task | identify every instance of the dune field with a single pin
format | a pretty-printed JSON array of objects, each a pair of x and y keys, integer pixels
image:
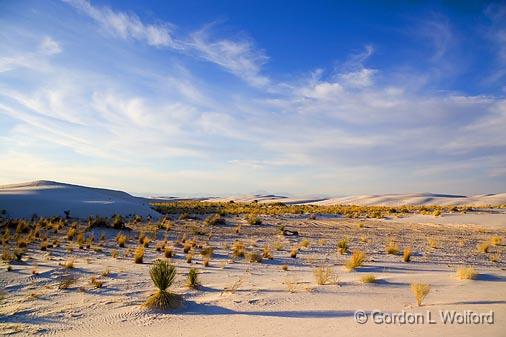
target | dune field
[{"x": 257, "y": 274}]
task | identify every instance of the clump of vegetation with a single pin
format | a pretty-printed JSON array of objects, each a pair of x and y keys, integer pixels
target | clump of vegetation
[
  {"x": 214, "y": 220},
  {"x": 496, "y": 240},
  {"x": 267, "y": 252},
  {"x": 294, "y": 252},
  {"x": 189, "y": 258},
  {"x": 163, "y": 274},
  {"x": 432, "y": 243},
  {"x": 238, "y": 249},
  {"x": 205, "y": 261},
  {"x": 253, "y": 220},
  {"x": 466, "y": 273},
  {"x": 356, "y": 260},
  {"x": 145, "y": 242},
  {"x": 169, "y": 252},
  {"x": 342, "y": 246},
  {"x": 304, "y": 243},
  {"x": 139, "y": 255},
  {"x": 406, "y": 254},
  {"x": 483, "y": 247},
  {"x": 96, "y": 283},
  {"x": 114, "y": 254},
  {"x": 67, "y": 281},
  {"x": 392, "y": 248},
  {"x": 71, "y": 233},
  {"x": 437, "y": 212},
  {"x": 277, "y": 245},
  {"x": 193, "y": 279},
  {"x": 254, "y": 257},
  {"x": 324, "y": 275},
  {"x": 69, "y": 264},
  {"x": 495, "y": 257},
  {"x": 369, "y": 278},
  {"x": 420, "y": 290},
  {"x": 284, "y": 267}
]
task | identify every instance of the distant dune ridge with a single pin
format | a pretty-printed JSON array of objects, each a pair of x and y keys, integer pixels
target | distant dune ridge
[{"x": 49, "y": 198}]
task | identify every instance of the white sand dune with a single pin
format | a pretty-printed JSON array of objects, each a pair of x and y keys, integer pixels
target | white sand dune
[
  {"x": 415, "y": 199},
  {"x": 49, "y": 198}
]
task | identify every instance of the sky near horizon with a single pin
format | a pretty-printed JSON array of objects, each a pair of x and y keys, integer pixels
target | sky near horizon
[{"x": 230, "y": 97}]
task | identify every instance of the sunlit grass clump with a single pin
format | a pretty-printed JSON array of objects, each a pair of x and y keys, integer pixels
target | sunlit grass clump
[
  {"x": 163, "y": 274},
  {"x": 324, "y": 275},
  {"x": 466, "y": 273},
  {"x": 483, "y": 247},
  {"x": 496, "y": 240},
  {"x": 342, "y": 246},
  {"x": 357, "y": 259},
  {"x": 139, "y": 254},
  {"x": 406, "y": 254},
  {"x": 392, "y": 248},
  {"x": 420, "y": 290},
  {"x": 193, "y": 279},
  {"x": 369, "y": 278}
]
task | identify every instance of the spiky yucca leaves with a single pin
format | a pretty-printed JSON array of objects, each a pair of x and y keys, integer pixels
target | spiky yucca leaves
[
  {"x": 193, "y": 279},
  {"x": 420, "y": 291},
  {"x": 163, "y": 274}
]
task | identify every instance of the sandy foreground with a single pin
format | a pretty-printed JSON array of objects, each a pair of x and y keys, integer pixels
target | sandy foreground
[{"x": 238, "y": 298}]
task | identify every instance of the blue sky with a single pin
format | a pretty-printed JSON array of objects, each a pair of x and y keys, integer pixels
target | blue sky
[{"x": 227, "y": 97}]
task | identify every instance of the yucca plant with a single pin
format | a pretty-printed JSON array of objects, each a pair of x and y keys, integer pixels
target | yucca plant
[
  {"x": 163, "y": 274},
  {"x": 193, "y": 279}
]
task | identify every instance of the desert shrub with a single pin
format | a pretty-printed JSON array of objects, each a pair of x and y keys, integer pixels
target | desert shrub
[
  {"x": 466, "y": 273},
  {"x": 406, "y": 254},
  {"x": 363, "y": 239},
  {"x": 66, "y": 281},
  {"x": 205, "y": 261},
  {"x": 496, "y": 240},
  {"x": 163, "y": 274},
  {"x": 69, "y": 264},
  {"x": 277, "y": 245},
  {"x": 96, "y": 283},
  {"x": 420, "y": 290},
  {"x": 437, "y": 212},
  {"x": 495, "y": 257},
  {"x": 356, "y": 260},
  {"x": 121, "y": 239},
  {"x": 294, "y": 252},
  {"x": 214, "y": 220},
  {"x": 392, "y": 248},
  {"x": 114, "y": 253},
  {"x": 193, "y": 279},
  {"x": 159, "y": 246},
  {"x": 483, "y": 247},
  {"x": 254, "y": 257},
  {"x": 323, "y": 275},
  {"x": 284, "y": 267},
  {"x": 267, "y": 252},
  {"x": 238, "y": 249},
  {"x": 342, "y": 246},
  {"x": 71, "y": 233},
  {"x": 189, "y": 258},
  {"x": 432, "y": 243},
  {"x": 304, "y": 243},
  {"x": 187, "y": 246},
  {"x": 18, "y": 254},
  {"x": 139, "y": 254},
  {"x": 169, "y": 252},
  {"x": 6, "y": 255},
  {"x": 207, "y": 251},
  {"x": 369, "y": 278},
  {"x": 253, "y": 220}
]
